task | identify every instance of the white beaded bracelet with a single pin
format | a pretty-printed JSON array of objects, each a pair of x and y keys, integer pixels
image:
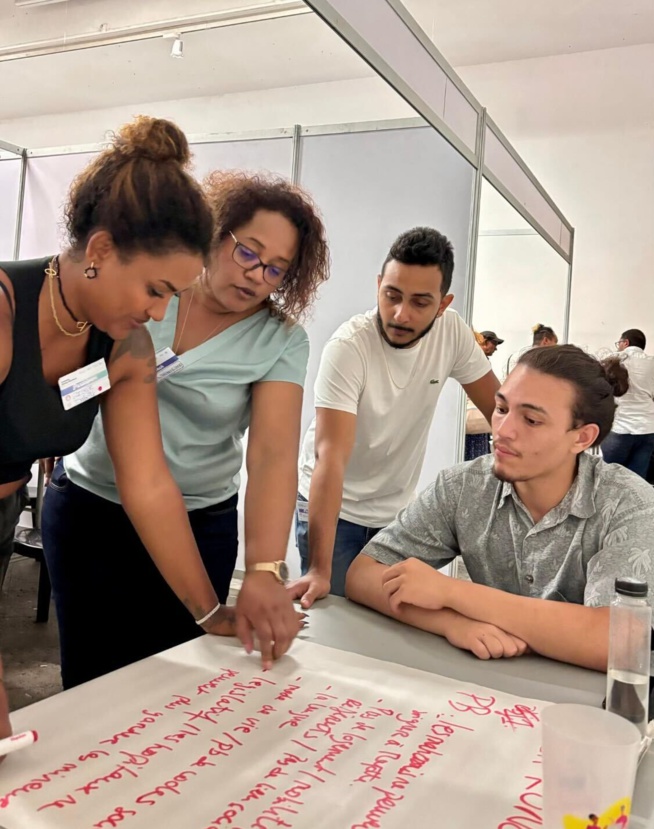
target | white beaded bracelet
[{"x": 209, "y": 615}]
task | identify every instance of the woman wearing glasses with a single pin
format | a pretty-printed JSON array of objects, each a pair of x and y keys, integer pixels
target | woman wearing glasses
[{"x": 231, "y": 356}]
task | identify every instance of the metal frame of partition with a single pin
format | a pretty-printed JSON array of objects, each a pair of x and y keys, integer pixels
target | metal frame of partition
[
  {"x": 336, "y": 20},
  {"x": 522, "y": 210},
  {"x": 17, "y": 152}
]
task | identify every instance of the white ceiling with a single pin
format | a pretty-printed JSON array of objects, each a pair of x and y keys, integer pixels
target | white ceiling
[
  {"x": 277, "y": 53},
  {"x": 255, "y": 56}
]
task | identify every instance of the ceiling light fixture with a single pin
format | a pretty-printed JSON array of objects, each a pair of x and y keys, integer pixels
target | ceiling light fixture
[
  {"x": 36, "y": 2},
  {"x": 178, "y": 48}
]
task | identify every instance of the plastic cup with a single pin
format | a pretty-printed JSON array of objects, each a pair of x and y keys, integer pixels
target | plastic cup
[{"x": 589, "y": 767}]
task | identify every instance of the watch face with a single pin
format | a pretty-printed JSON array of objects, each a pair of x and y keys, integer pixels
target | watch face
[{"x": 283, "y": 570}]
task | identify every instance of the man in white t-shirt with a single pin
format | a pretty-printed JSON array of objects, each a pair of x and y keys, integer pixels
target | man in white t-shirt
[
  {"x": 379, "y": 380},
  {"x": 631, "y": 440}
]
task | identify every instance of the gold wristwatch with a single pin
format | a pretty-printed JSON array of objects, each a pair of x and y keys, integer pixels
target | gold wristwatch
[{"x": 279, "y": 569}]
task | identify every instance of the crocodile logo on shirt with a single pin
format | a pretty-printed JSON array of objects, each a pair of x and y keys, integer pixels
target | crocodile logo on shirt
[{"x": 433, "y": 381}]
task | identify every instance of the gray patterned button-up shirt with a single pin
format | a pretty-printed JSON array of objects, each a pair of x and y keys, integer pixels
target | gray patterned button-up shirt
[{"x": 602, "y": 529}]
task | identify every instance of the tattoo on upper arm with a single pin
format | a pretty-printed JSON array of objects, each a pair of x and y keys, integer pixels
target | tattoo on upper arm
[{"x": 139, "y": 346}]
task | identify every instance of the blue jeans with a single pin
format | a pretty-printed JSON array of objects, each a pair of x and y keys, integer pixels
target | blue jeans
[
  {"x": 113, "y": 606},
  {"x": 632, "y": 451},
  {"x": 476, "y": 446},
  {"x": 350, "y": 540}
]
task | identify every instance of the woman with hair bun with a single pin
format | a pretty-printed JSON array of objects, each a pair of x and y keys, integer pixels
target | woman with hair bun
[
  {"x": 542, "y": 337},
  {"x": 73, "y": 340},
  {"x": 238, "y": 359}
]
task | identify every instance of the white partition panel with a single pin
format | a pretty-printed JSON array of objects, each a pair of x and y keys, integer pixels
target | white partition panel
[
  {"x": 46, "y": 188},
  {"x": 9, "y": 190},
  {"x": 371, "y": 186},
  {"x": 520, "y": 279},
  {"x": 49, "y": 178},
  {"x": 272, "y": 154}
]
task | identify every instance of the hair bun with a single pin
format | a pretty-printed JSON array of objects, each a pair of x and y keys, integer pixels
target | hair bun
[
  {"x": 616, "y": 375},
  {"x": 536, "y": 328},
  {"x": 153, "y": 138}
]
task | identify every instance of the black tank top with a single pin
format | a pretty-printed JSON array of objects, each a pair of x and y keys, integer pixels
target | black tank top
[{"x": 33, "y": 421}]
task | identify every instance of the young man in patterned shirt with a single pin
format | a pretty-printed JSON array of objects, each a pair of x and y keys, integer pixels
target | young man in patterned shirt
[{"x": 543, "y": 527}]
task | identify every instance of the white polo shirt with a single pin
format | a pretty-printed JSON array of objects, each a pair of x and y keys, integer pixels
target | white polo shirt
[
  {"x": 635, "y": 413},
  {"x": 393, "y": 392}
]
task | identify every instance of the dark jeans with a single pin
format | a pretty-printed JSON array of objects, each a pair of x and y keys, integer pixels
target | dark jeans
[
  {"x": 113, "y": 605},
  {"x": 476, "y": 446},
  {"x": 632, "y": 451},
  {"x": 10, "y": 510},
  {"x": 350, "y": 540}
]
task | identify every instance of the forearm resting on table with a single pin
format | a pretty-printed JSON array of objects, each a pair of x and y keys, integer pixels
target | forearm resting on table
[
  {"x": 269, "y": 505},
  {"x": 559, "y": 630},
  {"x": 363, "y": 585},
  {"x": 325, "y": 498},
  {"x": 159, "y": 516}
]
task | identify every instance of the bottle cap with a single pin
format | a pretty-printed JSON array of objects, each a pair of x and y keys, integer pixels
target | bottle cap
[{"x": 631, "y": 587}]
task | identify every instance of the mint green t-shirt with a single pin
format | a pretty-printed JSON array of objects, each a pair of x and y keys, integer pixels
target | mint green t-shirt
[{"x": 205, "y": 408}]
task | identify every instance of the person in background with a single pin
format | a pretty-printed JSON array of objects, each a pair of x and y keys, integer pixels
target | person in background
[
  {"x": 72, "y": 338},
  {"x": 5, "y": 724},
  {"x": 489, "y": 342},
  {"x": 478, "y": 430},
  {"x": 241, "y": 360},
  {"x": 543, "y": 336},
  {"x": 378, "y": 384},
  {"x": 631, "y": 440},
  {"x": 543, "y": 527}
]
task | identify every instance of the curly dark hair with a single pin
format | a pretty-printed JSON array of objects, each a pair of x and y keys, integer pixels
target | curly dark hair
[
  {"x": 235, "y": 196},
  {"x": 424, "y": 246},
  {"x": 139, "y": 190}
]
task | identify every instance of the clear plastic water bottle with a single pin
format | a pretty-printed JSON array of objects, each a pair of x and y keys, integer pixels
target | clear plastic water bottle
[{"x": 630, "y": 636}]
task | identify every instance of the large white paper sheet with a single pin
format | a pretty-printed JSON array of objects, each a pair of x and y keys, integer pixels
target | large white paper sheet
[{"x": 201, "y": 738}]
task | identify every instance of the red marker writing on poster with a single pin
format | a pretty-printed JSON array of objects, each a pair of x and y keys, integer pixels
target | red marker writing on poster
[{"x": 18, "y": 741}]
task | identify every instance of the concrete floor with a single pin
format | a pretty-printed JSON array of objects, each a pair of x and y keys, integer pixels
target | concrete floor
[{"x": 30, "y": 651}]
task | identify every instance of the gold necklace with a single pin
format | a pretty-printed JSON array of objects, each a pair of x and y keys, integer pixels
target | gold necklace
[
  {"x": 181, "y": 333},
  {"x": 52, "y": 273}
]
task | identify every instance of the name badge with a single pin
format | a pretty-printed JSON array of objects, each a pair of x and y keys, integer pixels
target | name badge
[
  {"x": 167, "y": 363},
  {"x": 84, "y": 383},
  {"x": 302, "y": 508}
]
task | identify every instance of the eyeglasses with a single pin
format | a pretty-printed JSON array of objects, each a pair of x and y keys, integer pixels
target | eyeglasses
[
  {"x": 619, "y": 343},
  {"x": 249, "y": 261}
]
